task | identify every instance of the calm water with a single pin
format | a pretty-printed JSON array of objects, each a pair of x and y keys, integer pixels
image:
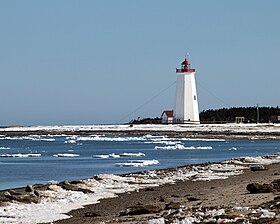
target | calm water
[{"x": 16, "y": 172}]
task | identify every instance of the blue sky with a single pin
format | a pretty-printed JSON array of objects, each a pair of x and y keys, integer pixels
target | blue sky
[{"x": 89, "y": 62}]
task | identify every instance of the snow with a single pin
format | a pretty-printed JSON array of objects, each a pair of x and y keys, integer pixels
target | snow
[
  {"x": 156, "y": 221},
  {"x": 231, "y": 127}
]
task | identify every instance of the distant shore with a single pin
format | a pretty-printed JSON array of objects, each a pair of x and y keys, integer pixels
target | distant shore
[{"x": 224, "y": 131}]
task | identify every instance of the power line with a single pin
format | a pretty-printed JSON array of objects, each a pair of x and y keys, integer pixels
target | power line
[
  {"x": 215, "y": 96},
  {"x": 145, "y": 103}
]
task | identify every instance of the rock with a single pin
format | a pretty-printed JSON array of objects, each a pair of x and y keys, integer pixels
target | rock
[
  {"x": 192, "y": 199},
  {"x": 13, "y": 192},
  {"x": 34, "y": 198},
  {"x": 37, "y": 193},
  {"x": 257, "y": 168},
  {"x": 172, "y": 205},
  {"x": 76, "y": 182},
  {"x": 276, "y": 184},
  {"x": 141, "y": 210},
  {"x": 85, "y": 191},
  {"x": 29, "y": 188},
  {"x": 26, "y": 198},
  {"x": 175, "y": 196},
  {"x": 255, "y": 188},
  {"x": 8, "y": 195},
  {"x": 65, "y": 182},
  {"x": 91, "y": 214},
  {"x": 71, "y": 187},
  {"x": 149, "y": 189}
]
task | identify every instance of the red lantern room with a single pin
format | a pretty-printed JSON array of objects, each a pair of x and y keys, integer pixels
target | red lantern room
[{"x": 185, "y": 67}]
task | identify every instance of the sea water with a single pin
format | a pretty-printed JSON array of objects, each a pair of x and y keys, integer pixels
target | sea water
[{"x": 39, "y": 159}]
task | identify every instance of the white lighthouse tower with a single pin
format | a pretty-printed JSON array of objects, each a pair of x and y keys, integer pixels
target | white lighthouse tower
[{"x": 186, "y": 104}]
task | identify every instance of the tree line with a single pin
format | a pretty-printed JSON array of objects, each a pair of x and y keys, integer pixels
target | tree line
[
  {"x": 250, "y": 114},
  {"x": 225, "y": 115}
]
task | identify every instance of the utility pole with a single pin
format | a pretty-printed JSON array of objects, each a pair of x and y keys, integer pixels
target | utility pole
[{"x": 258, "y": 114}]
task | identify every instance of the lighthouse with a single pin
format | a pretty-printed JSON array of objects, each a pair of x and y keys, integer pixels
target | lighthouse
[{"x": 186, "y": 103}]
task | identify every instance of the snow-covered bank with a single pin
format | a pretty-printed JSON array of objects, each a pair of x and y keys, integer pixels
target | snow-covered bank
[
  {"x": 56, "y": 201},
  {"x": 228, "y": 129}
]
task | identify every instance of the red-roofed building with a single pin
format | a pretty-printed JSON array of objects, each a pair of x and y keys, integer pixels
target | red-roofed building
[{"x": 167, "y": 117}]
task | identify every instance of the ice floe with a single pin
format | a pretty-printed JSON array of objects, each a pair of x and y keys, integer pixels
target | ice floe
[
  {"x": 5, "y": 148},
  {"x": 131, "y": 154},
  {"x": 70, "y": 141},
  {"x": 19, "y": 155},
  {"x": 125, "y": 154},
  {"x": 182, "y": 147},
  {"x": 32, "y": 138},
  {"x": 111, "y": 155},
  {"x": 66, "y": 155},
  {"x": 139, "y": 163}
]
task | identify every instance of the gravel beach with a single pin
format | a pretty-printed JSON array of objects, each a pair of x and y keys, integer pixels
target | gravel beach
[{"x": 215, "y": 201}]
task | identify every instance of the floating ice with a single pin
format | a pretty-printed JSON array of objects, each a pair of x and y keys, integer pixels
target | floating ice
[
  {"x": 111, "y": 155},
  {"x": 130, "y": 154},
  {"x": 66, "y": 155},
  {"x": 19, "y": 155},
  {"x": 5, "y": 148},
  {"x": 182, "y": 147},
  {"x": 70, "y": 141},
  {"x": 109, "y": 139},
  {"x": 139, "y": 163},
  {"x": 32, "y": 138}
]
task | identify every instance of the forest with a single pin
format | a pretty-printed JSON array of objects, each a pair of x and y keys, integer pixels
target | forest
[
  {"x": 250, "y": 114},
  {"x": 226, "y": 115}
]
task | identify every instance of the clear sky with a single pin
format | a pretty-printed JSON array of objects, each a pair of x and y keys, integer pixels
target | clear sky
[{"x": 90, "y": 62}]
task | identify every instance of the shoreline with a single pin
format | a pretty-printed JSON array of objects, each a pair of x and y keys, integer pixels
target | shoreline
[
  {"x": 224, "y": 131},
  {"x": 214, "y": 201},
  {"x": 121, "y": 193}
]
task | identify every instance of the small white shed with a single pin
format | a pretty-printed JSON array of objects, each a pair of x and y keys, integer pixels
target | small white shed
[{"x": 167, "y": 117}]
